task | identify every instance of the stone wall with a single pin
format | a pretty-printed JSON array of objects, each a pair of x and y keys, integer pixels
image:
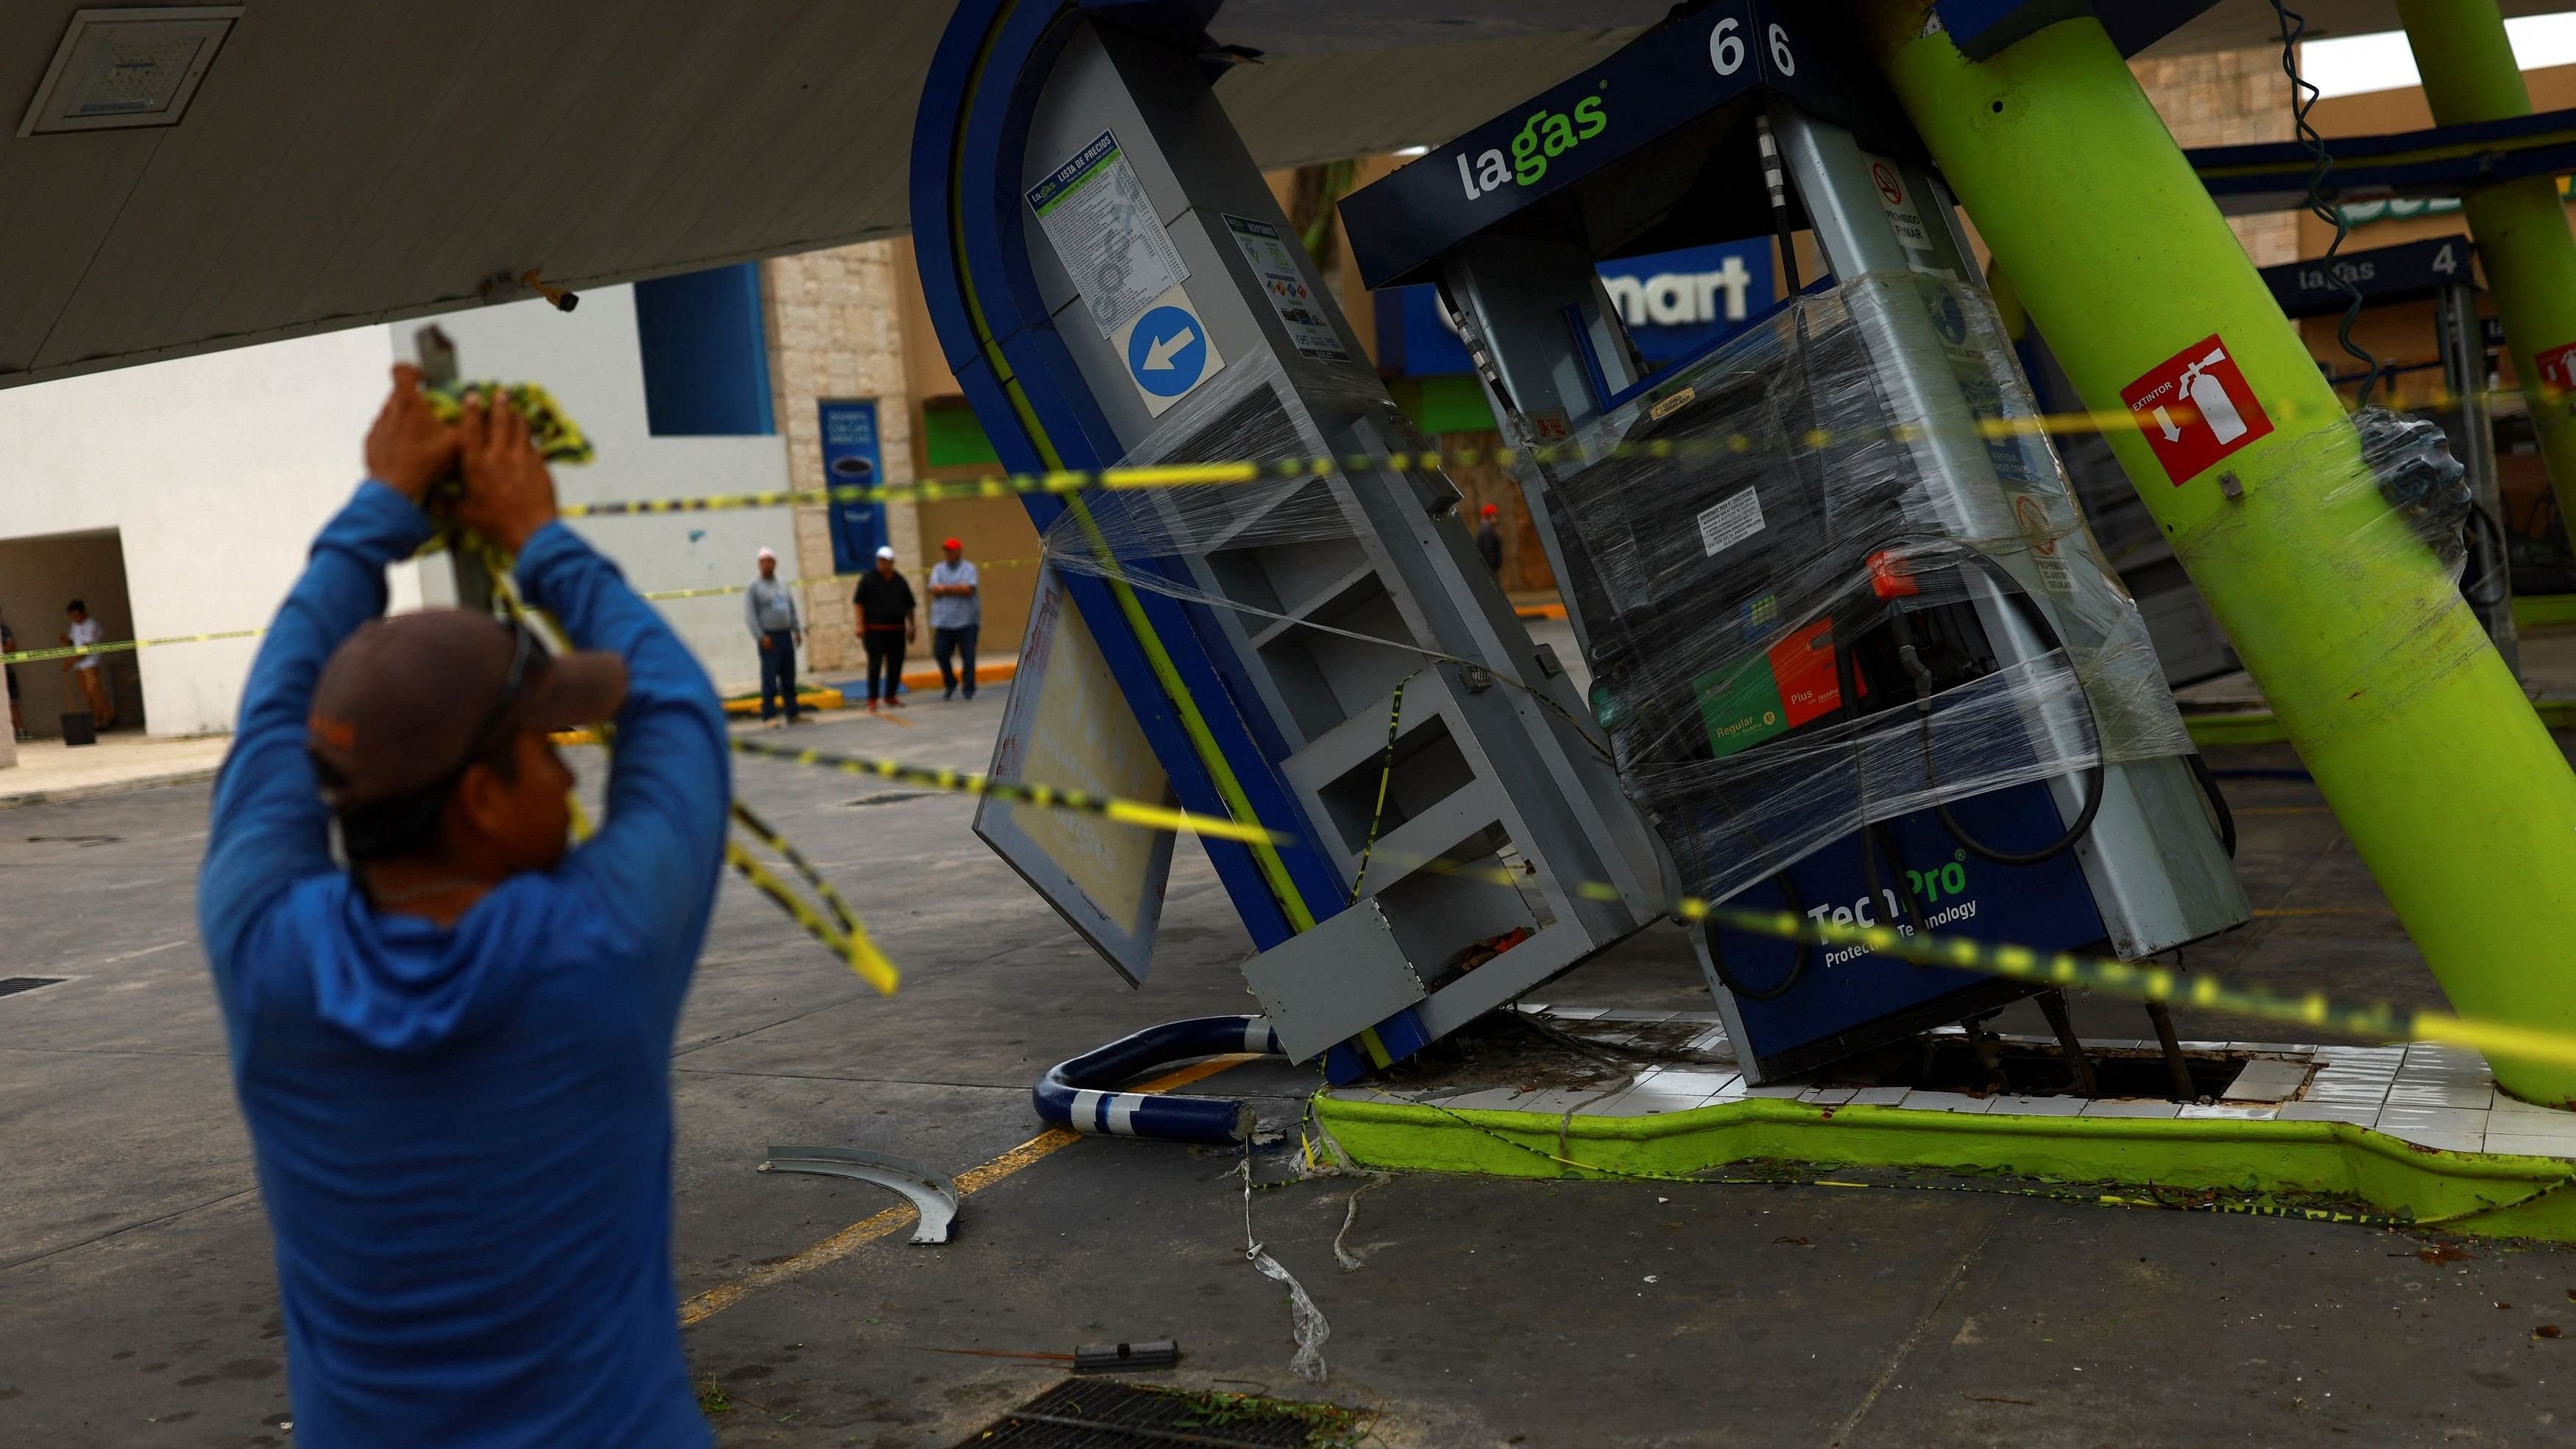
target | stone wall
[
  {"x": 834, "y": 332},
  {"x": 2231, "y": 98}
]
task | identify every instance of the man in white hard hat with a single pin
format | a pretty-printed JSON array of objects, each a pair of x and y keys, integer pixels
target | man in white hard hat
[
  {"x": 884, "y": 607},
  {"x": 769, "y": 606}
]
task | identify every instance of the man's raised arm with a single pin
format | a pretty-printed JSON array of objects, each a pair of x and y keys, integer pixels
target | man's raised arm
[
  {"x": 269, "y": 826},
  {"x": 657, "y": 855}
]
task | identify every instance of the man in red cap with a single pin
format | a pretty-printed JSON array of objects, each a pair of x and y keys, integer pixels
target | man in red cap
[
  {"x": 1489, "y": 540},
  {"x": 454, "y": 1053},
  {"x": 956, "y": 614}
]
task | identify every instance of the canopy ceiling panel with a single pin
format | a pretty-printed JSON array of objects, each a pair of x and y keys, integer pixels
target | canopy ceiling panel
[{"x": 343, "y": 164}]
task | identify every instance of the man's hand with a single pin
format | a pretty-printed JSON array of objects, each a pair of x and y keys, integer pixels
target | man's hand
[
  {"x": 509, "y": 495},
  {"x": 909, "y": 637},
  {"x": 764, "y": 643},
  {"x": 408, "y": 448},
  {"x": 800, "y": 638}
]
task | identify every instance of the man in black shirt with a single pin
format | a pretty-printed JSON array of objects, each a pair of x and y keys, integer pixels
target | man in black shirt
[{"x": 884, "y": 605}]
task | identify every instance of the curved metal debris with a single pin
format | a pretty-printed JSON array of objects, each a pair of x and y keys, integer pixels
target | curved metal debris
[{"x": 934, "y": 1195}]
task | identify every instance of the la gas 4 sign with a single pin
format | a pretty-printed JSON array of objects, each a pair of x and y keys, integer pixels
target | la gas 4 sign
[{"x": 2195, "y": 408}]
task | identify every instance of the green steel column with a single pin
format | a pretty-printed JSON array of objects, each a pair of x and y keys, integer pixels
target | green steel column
[
  {"x": 2520, "y": 226},
  {"x": 2435, "y": 763}
]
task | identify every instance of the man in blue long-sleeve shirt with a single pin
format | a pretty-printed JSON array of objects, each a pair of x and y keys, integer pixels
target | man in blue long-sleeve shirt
[{"x": 453, "y": 1054}]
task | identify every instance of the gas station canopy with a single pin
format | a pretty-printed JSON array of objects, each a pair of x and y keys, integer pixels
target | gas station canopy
[{"x": 274, "y": 168}]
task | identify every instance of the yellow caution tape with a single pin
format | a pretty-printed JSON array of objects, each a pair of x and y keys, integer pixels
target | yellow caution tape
[
  {"x": 1239, "y": 471},
  {"x": 842, "y": 934},
  {"x": 122, "y": 646},
  {"x": 1045, "y": 797}
]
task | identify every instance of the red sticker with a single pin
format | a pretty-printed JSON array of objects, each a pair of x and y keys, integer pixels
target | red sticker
[
  {"x": 2194, "y": 408},
  {"x": 2557, "y": 367},
  {"x": 1803, "y": 666}
]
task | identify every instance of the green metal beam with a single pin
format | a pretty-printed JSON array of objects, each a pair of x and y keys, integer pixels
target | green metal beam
[
  {"x": 2520, "y": 226},
  {"x": 2416, "y": 732}
]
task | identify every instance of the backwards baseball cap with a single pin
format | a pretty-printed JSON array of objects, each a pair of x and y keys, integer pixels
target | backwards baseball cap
[
  {"x": 952, "y": 543},
  {"x": 409, "y": 701},
  {"x": 885, "y": 550},
  {"x": 764, "y": 553},
  {"x": 1491, "y": 510}
]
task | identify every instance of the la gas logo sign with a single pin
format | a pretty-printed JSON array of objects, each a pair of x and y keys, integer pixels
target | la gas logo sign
[{"x": 1544, "y": 136}]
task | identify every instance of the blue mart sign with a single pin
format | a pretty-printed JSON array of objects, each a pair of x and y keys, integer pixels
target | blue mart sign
[{"x": 1672, "y": 303}]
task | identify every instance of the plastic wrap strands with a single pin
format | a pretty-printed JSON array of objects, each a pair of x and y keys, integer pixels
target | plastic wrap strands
[{"x": 1044, "y": 797}]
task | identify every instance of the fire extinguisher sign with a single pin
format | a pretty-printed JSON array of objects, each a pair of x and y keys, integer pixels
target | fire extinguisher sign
[{"x": 2194, "y": 409}]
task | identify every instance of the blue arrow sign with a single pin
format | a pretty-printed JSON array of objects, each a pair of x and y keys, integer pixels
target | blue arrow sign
[{"x": 1168, "y": 351}]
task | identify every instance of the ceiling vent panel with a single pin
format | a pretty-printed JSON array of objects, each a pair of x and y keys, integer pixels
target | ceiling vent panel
[{"x": 119, "y": 69}]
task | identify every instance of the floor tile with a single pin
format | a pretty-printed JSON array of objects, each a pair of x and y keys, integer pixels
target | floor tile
[
  {"x": 1878, "y": 1096},
  {"x": 2357, "y": 1113},
  {"x": 1645, "y": 1104},
  {"x": 2004, "y": 1105},
  {"x": 2243, "y": 1111},
  {"x": 1828, "y": 1096},
  {"x": 2523, "y": 1144},
  {"x": 2132, "y": 1107},
  {"x": 1946, "y": 1102},
  {"x": 2267, "y": 1081},
  {"x": 1688, "y": 1081}
]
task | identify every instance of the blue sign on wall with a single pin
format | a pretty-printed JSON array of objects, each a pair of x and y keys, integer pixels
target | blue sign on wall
[
  {"x": 1672, "y": 302},
  {"x": 852, "y": 459}
]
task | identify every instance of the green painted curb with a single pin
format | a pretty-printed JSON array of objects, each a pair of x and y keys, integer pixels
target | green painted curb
[
  {"x": 2485, "y": 1194},
  {"x": 2532, "y": 611},
  {"x": 2253, "y": 727}
]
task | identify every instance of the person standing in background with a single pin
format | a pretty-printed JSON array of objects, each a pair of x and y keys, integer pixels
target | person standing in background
[
  {"x": 83, "y": 633},
  {"x": 1489, "y": 541},
  {"x": 884, "y": 607},
  {"x": 956, "y": 614},
  {"x": 9, "y": 645},
  {"x": 769, "y": 606}
]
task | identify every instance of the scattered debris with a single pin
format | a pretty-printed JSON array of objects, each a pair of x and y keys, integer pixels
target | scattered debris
[
  {"x": 2441, "y": 1253},
  {"x": 1793, "y": 1242},
  {"x": 2546, "y": 1330},
  {"x": 1106, "y": 1358},
  {"x": 1306, "y": 1319},
  {"x": 1996, "y": 1399},
  {"x": 934, "y": 1196}
]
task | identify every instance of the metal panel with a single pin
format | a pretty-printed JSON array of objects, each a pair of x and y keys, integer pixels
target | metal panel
[
  {"x": 1067, "y": 725},
  {"x": 1331, "y": 983}
]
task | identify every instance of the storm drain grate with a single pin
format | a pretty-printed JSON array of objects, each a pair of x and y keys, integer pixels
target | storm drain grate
[
  {"x": 1090, "y": 1414},
  {"x": 12, "y": 985}
]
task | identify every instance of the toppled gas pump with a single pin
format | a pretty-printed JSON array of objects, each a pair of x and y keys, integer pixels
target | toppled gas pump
[{"x": 1852, "y": 650}]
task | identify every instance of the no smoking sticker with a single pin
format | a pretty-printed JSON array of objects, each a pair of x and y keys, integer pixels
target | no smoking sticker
[{"x": 2194, "y": 409}]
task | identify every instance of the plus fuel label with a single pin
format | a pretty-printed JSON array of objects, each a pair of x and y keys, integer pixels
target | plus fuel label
[{"x": 2195, "y": 408}]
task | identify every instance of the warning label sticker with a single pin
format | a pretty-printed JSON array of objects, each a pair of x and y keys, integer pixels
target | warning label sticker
[
  {"x": 2195, "y": 408},
  {"x": 1275, "y": 265},
  {"x": 1724, "y": 525},
  {"x": 1118, "y": 252}
]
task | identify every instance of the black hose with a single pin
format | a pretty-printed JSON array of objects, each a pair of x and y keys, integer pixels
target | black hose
[
  {"x": 2209, "y": 791},
  {"x": 1913, "y": 661},
  {"x": 1873, "y": 833},
  {"x": 1797, "y": 964}
]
